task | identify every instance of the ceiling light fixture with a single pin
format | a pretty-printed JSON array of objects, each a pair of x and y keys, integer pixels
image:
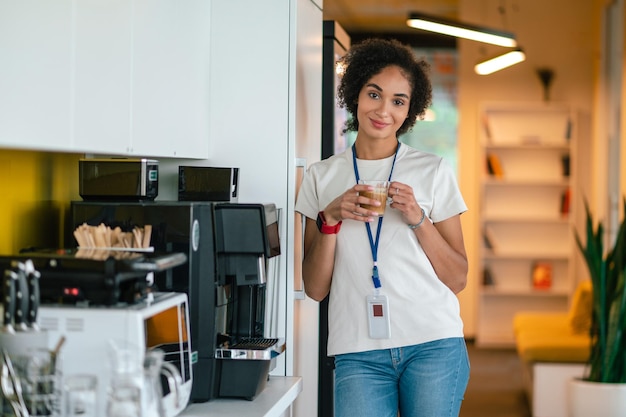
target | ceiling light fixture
[
  {"x": 500, "y": 62},
  {"x": 461, "y": 30}
]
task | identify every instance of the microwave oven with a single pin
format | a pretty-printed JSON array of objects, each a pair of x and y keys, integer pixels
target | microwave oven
[{"x": 115, "y": 179}]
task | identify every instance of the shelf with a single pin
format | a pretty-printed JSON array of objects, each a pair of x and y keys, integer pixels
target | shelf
[
  {"x": 489, "y": 218},
  {"x": 549, "y": 147},
  {"x": 517, "y": 255},
  {"x": 536, "y": 182},
  {"x": 494, "y": 291},
  {"x": 496, "y": 313},
  {"x": 526, "y": 214},
  {"x": 540, "y": 124},
  {"x": 529, "y": 166},
  {"x": 527, "y": 238},
  {"x": 512, "y": 200}
]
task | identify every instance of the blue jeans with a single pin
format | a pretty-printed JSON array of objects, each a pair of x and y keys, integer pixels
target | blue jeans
[{"x": 425, "y": 380}]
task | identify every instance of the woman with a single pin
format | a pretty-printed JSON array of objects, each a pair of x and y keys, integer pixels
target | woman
[{"x": 394, "y": 324}]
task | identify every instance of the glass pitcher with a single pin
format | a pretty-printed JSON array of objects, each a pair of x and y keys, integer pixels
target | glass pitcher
[
  {"x": 135, "y": 389},
  {"x": 127, "y": 381},
  {"x": 157, "y": 369}
]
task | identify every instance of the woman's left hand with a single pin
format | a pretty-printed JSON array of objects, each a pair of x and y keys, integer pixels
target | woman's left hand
[{"x": 403, "y": 200}]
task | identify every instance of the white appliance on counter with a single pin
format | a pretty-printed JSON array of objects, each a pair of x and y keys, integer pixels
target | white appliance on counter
[{"x": 162, "y": 321}]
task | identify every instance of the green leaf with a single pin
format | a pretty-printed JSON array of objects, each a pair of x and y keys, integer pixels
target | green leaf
[{"x": 607, "y": 361}]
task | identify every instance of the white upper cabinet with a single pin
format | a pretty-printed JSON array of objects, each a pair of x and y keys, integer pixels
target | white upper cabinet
[
  {"x": 105, "y": 76},
  {"x": 102, "y": 91},
  {"x": 170, "y": 78},
  {"x": 35, "y": 74}
]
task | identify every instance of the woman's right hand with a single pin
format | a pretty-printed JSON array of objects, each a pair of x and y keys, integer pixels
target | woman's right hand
[{"x": 348, "y": 206}]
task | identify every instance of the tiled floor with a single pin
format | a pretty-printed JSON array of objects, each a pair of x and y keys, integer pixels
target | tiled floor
[{"x": 495, "y": 388}]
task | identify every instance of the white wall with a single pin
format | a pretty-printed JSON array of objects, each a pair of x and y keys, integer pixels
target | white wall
[
  {"x": 249, "y": 118},
  {"x": 265, "y": 111}
]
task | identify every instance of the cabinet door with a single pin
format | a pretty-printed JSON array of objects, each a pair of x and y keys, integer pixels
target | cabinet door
[
  {"x": 35, "y": 74},
  {"x": 105, "y": 76},
  {"x": 102, "y": 43},
  {"x": 170, "y": 103}
]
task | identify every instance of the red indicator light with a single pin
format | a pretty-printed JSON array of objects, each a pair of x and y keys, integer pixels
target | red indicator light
[{"x": 73, "y": 291}]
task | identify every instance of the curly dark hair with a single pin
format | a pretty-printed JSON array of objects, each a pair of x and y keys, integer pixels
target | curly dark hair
[{"x": 369, "y": 57}]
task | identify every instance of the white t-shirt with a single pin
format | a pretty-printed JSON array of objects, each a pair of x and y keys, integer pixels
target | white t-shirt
[{"x": 421, "y": 307}]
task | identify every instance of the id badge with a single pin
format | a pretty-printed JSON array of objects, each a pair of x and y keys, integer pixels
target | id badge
[{"x": 378, "y": 317}]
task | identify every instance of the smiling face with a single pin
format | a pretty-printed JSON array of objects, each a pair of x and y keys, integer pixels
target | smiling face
[{"x": 383, "y": 104}]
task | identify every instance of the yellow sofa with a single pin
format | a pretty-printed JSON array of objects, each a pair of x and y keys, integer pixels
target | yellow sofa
[
  {"x": 556, "y": 337},
  {"x": 553, "y": 348}
]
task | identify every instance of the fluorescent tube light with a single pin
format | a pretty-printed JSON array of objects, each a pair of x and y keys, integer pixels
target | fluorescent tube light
[
  {"x": 461, "y": 30},
  {"x": 500, "y": 62}
]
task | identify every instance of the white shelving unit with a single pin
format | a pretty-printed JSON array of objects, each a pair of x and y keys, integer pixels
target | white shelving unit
[{"x": 526, "y": 214}]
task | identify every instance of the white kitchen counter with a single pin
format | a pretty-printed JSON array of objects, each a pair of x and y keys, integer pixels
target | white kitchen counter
[{"x": 278, "y": 395}]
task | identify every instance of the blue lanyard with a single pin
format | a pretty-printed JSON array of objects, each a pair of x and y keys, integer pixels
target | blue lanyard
[{"x": 373, "y": 244}]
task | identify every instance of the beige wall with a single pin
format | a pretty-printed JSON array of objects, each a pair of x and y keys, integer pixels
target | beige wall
[{"x": 559, "y": 34}]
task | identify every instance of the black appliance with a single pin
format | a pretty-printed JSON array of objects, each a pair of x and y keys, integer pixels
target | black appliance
[
  {"x": 200, "y": 183},
  {"x": 336, "y": 43},
  {"x": 115, "y": 179},
  {"x": 93, "y": 277},
  {"x": 228, "y": 246}
]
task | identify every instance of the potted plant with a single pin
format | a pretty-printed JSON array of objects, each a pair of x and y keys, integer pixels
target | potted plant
[{"x": 606, "y": 371}]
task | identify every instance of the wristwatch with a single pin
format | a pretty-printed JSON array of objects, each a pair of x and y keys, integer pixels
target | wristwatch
[{"x": 325, "y": 228}]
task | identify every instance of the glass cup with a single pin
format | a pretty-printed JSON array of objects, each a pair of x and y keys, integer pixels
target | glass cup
[
  {"x": 381, "y": 188},
  {"x": 124, "y": 399},
  {"x": 81, "y": 395},
  {"x": 39, "y": 377}
]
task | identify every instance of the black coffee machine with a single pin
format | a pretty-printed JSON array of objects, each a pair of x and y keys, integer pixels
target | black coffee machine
[{"x": 229, "y": 247}]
